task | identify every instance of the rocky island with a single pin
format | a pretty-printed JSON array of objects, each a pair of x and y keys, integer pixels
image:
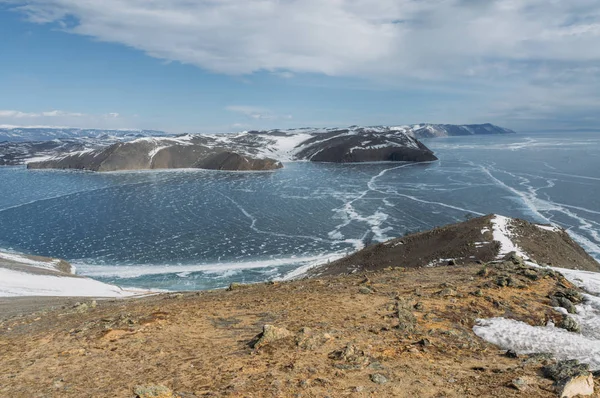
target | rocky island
[
  {"x": 467, "y": 310},
  {"x": 248, "y": 151}
]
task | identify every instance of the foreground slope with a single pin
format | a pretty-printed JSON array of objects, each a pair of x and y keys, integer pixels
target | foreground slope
[
  {"x": 394, "y": 331},
  {"x": 404, "y": 333}
]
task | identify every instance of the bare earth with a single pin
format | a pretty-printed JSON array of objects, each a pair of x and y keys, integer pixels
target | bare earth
[{"x": 391, "y": 332}]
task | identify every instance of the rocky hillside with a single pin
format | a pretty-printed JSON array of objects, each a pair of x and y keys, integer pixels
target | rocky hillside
[
  {"x": 449, "y": 130},
  {"x": 481, "y": 319},
  {"x": 390, "y": 333},
  {"x": 253, "y": 151},
  {"x": 352, "y": 144},
  {"x": 481, "y": 240}
]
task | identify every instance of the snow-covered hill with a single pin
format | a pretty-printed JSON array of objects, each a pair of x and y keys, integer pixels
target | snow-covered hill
[
  {"x": 26, "y": 145},
  {"x": 198, "y": 151}
]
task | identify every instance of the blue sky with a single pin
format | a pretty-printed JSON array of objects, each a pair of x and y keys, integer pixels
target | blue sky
[{"x": 233, "y": 65}]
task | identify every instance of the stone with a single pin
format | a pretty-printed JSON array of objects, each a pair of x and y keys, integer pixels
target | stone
[
  {"x": 271, "y": 334},
  {"x": 521, "y": 383},
  {"x": 153, "y": 391},
  {"x": 570, "y": 324},
  {"x": 365, "y": 290},
  {"x": 511, "y": 354},
  {"x": 571, "y": 294},
  {"x": 378, "y": 378},
  {"x": 447, "y": 292},
  {"x": 580, "y": 386},
  {"x": 514, "y": 258},
  {"x": 235, "y": 286},
  {"x": 567, "y": 305},
  {"x": 565, "y": 369},
  {"x": 81, "y": 307}
]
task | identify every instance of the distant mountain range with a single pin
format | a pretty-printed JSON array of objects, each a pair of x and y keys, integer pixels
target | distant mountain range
[
  {"x": 105, "y": 150},
  {"x": 29, "y": 134},
  {"x": 423, "y": 130}
]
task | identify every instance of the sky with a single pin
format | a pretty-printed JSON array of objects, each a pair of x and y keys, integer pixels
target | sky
[{"x": 231, "y": 65}]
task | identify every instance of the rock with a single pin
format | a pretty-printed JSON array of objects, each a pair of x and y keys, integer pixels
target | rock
[
  {"x": 571, "y": 378},
  {"x": 271, "y": 334},
  {"x": 570, "y": 324},
  {"x": 81, "y": 307},
  {"x": 365, "y": 290},
  {"x": 307, "y": 339},
  {"x": 378, "y": 378},
  {"x": 571, "y": 294},
  {"x": 152, "y": 391},
  {"x": 521, "y": 383},
  {"x": 235, "y": 286},
  {"x": 511, "y": 354},
  {"x": 451, "y": 262},
  {"x": 514, "y": 258},
  {"x": 581, "y": 386},
  {"x": 539, "y": 358},
  {"x": 350, "y": 353},
  {"x": 447, "y": 292},
  {"x": 567, "y": 304},
  {"x": 406, "y": 319}
]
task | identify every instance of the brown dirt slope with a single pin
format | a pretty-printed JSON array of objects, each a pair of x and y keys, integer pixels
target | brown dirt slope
[
  {"x": 389, "y": 333},
  {"x": 552, "y": 248},
  {"x": 455, "y": 241},
  {"x": 464, "y": 243}
]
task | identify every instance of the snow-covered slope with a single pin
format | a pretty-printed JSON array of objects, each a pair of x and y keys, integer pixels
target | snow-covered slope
[
  {"x": 22, "y": 275},
  {"x": 262, "y": 149}
]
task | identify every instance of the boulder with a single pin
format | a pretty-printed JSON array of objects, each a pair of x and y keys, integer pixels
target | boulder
[
  {"x": 269, "y": 335},
  {"x": 571, "y": 378}
]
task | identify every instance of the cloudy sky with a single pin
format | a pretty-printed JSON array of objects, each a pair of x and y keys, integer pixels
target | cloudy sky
[{"x": 225, "y": 65}]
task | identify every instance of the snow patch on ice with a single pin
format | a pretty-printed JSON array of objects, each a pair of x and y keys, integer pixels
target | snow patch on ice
[
  {"x": 21, "y": 259},
  {"x": 15, "y": 283}
]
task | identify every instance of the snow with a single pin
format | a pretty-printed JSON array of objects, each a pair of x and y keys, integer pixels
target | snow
[
  {"x": 548, "y": 228},
  {"x": 51, "y": 264},
  {"x": 503, "y": 235},
  {"x": 284, "y": 147},
  {"x": 15, "y": 283},
  {"x": 522, "y": 338}
]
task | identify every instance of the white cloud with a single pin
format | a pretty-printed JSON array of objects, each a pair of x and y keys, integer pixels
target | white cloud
[
  {"x": 59, "y": 118},
  {"x": 48, "y": 114},
  {"x": 423, "y": 38},
  {"x": 495, "y": 44}
]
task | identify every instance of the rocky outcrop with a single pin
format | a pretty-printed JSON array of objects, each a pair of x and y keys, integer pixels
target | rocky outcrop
[
  {"x": 150, "y": 154},
  {"x": 364, "y": 145},
  {"x": 233, "y": 161},
  {"x": 467, "y": 242}
]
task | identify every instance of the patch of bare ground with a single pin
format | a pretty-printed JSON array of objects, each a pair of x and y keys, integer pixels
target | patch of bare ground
[
  {"x": 555, "y": 248},
  {"x": 394, "y": 332}
]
